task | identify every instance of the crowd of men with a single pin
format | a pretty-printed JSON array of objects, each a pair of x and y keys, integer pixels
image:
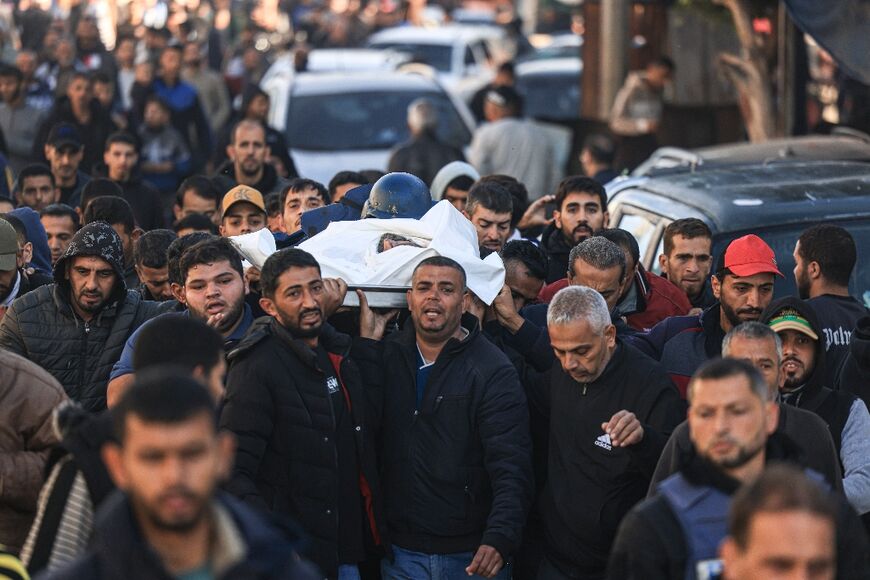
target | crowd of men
[
  {"x": 171, "y": 412},
  {"x": 176, "y": 413}
]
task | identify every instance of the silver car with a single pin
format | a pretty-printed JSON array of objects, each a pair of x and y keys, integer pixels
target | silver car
[{"x": 346, "y": 121}]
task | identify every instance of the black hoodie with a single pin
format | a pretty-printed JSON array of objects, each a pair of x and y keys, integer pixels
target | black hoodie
[
  {"x": 854, "y": 375},
  {"x": 813, "y": 395},
  {"x": 834, "y": 407},
  {"x": 558, "y": 249}
]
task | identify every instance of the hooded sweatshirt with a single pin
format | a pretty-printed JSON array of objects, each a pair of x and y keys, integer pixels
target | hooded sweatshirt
[
  {"x": 36, "y": 236},
  {"x": 447, "y": 174},
  {"x": 854, "y": 375},
  {"x": 44, "y": 327},
  {"x": 845, "y": 414}
]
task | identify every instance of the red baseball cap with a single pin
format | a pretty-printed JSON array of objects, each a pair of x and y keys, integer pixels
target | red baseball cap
[{"x": 750, "y": 255}]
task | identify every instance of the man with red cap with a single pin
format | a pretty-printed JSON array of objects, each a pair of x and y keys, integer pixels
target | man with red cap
[{"x": 743, "y": 287}]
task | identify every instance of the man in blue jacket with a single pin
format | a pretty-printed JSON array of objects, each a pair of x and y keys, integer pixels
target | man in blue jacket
[
  {"x": 187, "y": 114},
  {"x": 742, "y": 284}
]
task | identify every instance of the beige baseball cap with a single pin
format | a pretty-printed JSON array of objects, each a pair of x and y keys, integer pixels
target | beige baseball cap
[{"x": 242, "y": 193}]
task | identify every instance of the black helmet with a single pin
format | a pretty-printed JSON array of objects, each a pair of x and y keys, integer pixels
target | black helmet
[{"x": 398, "y": 195}]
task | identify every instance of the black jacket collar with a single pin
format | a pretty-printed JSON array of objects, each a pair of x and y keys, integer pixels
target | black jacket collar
[
  {"x": 332, "y": 340},
  {"x": 700, "y": 471},
  {"x": 713, "y": 333},
  {"x": 407, "y": 337}
]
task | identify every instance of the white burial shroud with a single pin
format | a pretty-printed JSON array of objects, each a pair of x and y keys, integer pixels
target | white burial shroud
[{"x": 348, "y": 250}]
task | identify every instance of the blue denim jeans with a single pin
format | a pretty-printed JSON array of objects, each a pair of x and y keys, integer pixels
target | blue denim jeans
[
  {"x": 409, "y": 565},
  {"x": 348, "y": 572}
]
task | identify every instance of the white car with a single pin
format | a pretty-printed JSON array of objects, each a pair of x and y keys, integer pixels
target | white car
[
  {"x": 322, "y": 60},
  {"x": 351, "y": 121},
  {"x": 462, "y": 56}
]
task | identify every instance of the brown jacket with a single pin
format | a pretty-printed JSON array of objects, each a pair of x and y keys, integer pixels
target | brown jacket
[{"x": 28, "y": 397}]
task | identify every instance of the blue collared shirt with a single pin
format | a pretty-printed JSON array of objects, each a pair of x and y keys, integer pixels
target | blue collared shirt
[{"x": 124, "y": 366}]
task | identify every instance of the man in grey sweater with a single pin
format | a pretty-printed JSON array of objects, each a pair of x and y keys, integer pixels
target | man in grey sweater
[{"x": 19, "y": 121}]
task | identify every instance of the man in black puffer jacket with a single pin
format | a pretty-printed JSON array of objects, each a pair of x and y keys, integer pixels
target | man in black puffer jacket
[
  {"x": 455, "y": 445},
  {"x": 300, "y": 415},
  {"x": 76, "y": 328}
]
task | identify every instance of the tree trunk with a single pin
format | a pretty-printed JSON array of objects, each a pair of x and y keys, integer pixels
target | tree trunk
[{"x": 750, "y": 74}]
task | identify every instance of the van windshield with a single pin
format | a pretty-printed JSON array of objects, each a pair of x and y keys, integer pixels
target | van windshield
[{"x": 365, "y": 120}]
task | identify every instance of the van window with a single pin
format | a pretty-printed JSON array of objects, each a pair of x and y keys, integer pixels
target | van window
[{"x": 642, "y": 227}]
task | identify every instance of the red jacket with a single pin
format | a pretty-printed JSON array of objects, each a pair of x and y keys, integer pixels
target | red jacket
[{"x": 659, "y": 299}]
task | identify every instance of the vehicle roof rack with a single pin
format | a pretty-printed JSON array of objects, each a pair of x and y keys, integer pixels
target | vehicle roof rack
[
  {"x": 850, "y": 132},
  {"x": 672, "y": 156}
]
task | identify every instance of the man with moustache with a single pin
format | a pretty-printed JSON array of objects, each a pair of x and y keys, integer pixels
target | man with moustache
[
  {"x": 212, "y": 289},
  {"x": 64, "y": 151},
  {"x": 169, "y": 519},
  {"x": 581, "y": 211},
  {"x": 247, "y": 161},
  {"x": 76, "y": 328},
  {"x": 686, "y": 259},
  {"x": 757, "y": 344},
  {"x": 825, "y": 256},
  {"x": 803, "y": 386},
  {"x": 489, "y": 211},
  {"x": 677, "y": 532},
  {"x": 301, "y": 419},
  {"x": 743, "y": 285},
  {"x": 61, "y": 222},
  {"x": 610, "y": 410}
]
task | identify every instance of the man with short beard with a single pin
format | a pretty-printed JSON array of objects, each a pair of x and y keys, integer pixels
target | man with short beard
[
  {"x": 247, "y": 165},
  {"x": 64, "y": 152},
  {"x": 213, "y": 290},
  {"x": 757, "y": 344},
  {"x": 76, "y": 328},
  {"x": 803, "y": 386},
  {"x": 825, "y": 257},
  {"x": 732, "y": 422},
  {"x": 742, "y": 284},
  {"x": 581, "y": 212},
  {"x": 686, "y": 259},
  {"x": 19, "y": 120},
  {"x": 300, "y": 415},
  {"x": 170, "y": 520}
]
